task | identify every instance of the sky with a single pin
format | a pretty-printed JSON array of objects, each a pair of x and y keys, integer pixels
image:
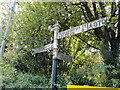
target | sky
[{"x": 61, "y": 0}]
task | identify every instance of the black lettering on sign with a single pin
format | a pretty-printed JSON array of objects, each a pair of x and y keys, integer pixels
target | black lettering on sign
[
  {"x": 98, "y": 23},
  {"x": 84, "y": 27},
  {"x": 80, "y": 29},
  {"x": 95, "y": 24},
  {"x": 103, "y": 21},
  {"x": 90, "y": 26},
  {"x": 76, "y": 31}
]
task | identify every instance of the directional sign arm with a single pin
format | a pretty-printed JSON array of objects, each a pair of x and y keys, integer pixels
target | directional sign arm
[
  {"x": 82, "y": 28},
  {"x": 61, "y": 56},
  {"x": 44, "y": 48}
]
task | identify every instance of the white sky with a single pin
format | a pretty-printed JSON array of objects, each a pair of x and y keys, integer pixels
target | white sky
[{"x": 60, "y": 0}]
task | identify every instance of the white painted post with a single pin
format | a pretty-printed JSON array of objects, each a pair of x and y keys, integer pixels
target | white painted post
[{"x": 55, "y": 52}]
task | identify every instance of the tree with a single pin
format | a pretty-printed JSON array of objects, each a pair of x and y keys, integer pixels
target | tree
[
  {"x": 36, "y": 22},
  {"x": 108, "y": 35},
  {"x": 31, "y": 30}
]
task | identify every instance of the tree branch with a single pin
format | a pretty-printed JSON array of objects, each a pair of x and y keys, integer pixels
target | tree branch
[
  {"x": 118, "y": 35},
  {"x": 95, "y": 10},
  {"x": 84, "y": 14},
  {"x": 113, "y": 9},
  {"x": 83, "y": 11},
  {"x": 88, "y": 11},
  {"x": 102, "y": 9},
  {"x": 86, "y": 42}
]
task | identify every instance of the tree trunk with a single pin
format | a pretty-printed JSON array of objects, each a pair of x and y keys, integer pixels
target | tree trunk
[{"x": 111, "y": 56}]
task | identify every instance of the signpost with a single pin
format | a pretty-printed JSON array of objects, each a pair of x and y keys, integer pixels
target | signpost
[
  {"x": 67, "y": 33},
  {"x": 68, "y": 58},
  {"x": 55, "y": 52},
  {"x": 82, "y": 28},
  {"x": 44, "y": 48}
]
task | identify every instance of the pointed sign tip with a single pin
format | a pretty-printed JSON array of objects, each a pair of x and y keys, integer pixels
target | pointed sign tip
[{"x": 72, "y": 59}]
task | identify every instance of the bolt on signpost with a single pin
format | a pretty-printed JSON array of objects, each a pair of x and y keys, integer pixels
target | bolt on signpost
[{"x": 54, "y": 46}]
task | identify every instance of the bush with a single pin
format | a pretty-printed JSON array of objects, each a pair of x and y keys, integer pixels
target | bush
[{"x": 28, "y": 81}]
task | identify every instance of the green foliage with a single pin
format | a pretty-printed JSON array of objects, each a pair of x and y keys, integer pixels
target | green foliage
[
  {"x": 98, "y": 74},
  {"x": 22, "y": 68},
  {"x": 89, "y": 76},
  {"x": 29, "y": 81},
  {"x": 24, "y": 80},
  {"x": 79, "y": 78},
  {"x": 114, "y": 82},
  {"x": 30, "y": 30}
]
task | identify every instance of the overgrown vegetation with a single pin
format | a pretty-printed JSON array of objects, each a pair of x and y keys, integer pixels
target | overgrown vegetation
[{"x": 22, "y": 68}]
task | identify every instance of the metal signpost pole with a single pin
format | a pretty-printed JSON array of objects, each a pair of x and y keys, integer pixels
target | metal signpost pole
[{"x": 55, "y": 52}]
